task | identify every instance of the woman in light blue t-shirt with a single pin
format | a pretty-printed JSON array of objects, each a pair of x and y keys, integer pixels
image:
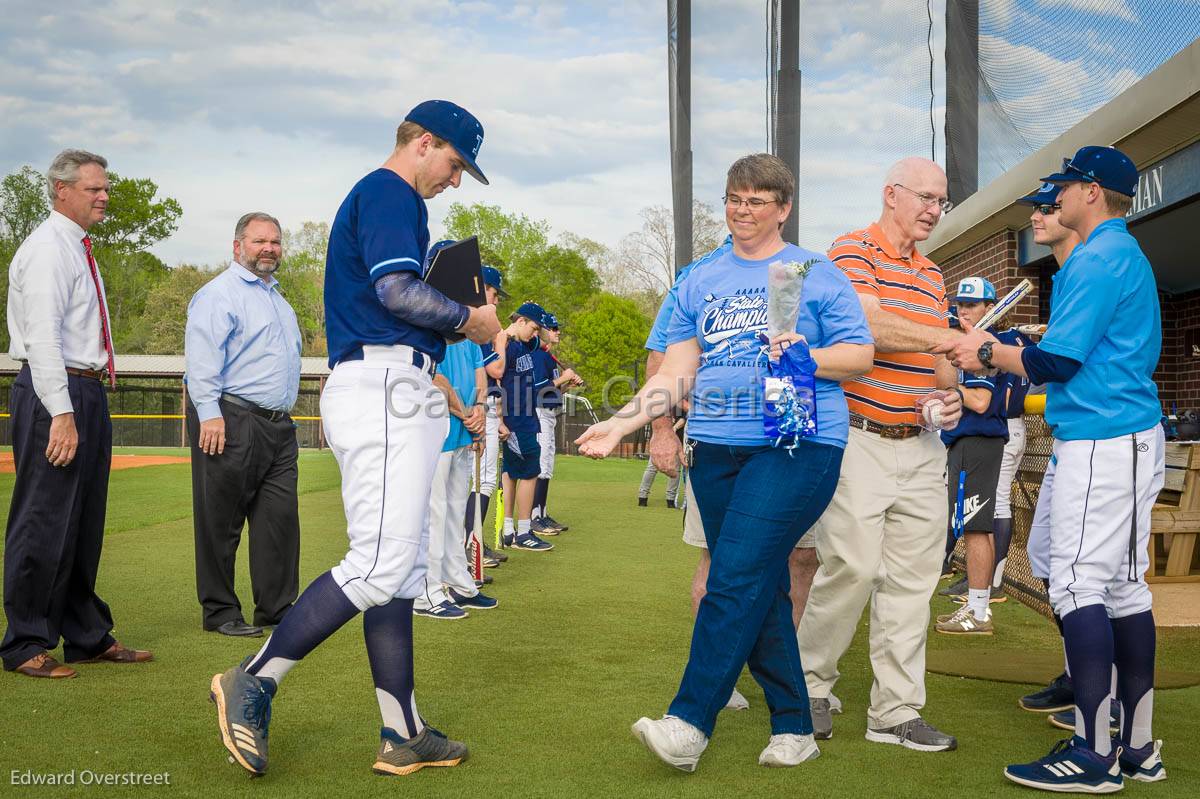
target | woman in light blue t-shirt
[{"x": 756, "y": 498}]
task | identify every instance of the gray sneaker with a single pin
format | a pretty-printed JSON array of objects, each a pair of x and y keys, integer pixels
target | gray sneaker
[
  {"x": 429, "y": 748},
  {"x": 915, "y": 734},
  {"x": 822, "y": 719},
  {"x": 955, "y": 589}
]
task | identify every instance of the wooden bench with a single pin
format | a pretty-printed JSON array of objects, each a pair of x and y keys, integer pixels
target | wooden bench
[{"x": 1175, "y": 521}]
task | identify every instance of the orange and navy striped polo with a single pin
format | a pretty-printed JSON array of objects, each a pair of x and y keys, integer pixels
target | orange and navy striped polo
[{"x": 911, "y": 287}]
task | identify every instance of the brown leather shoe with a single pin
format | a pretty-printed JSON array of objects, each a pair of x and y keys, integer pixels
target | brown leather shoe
[
  {"x": 42, "y": 665},
  {"x": 117, "y": 653}
]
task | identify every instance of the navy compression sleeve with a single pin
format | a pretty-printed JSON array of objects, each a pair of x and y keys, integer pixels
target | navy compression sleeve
[
  {"x": 408, "y": 297},
  {"x": 1046, "y": 367}
]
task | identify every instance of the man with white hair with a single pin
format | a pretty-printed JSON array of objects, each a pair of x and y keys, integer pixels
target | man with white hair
[
  {"x": 61, "y": 433},
  {"x": 880, "y": 540}
]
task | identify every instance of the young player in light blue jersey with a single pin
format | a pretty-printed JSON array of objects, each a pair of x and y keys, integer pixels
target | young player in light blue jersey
[{"x": 756, "y": 499}]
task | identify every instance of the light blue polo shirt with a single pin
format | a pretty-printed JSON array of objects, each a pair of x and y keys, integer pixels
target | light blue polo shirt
[
  {"x": 458, "y": 367},
  {"x": 1104, "y": 313},
  {"x": 657, "y": 340},
  {"x": 724, "y": 307}
]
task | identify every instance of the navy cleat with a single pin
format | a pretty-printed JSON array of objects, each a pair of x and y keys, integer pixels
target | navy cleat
[
  {"x": 539, "y": 527},
  {"x": 476, "y": 602},
  {"x": 243, "y": 714},
  {"x": 1059, "y": 695},
  {"x": 1143, "y": 765},
  {"x": 1065, "y": 719},
  {"x": 562, "y": 528},
  {"x": 1070, "y": 768},
  {"x": 531, "y": 543},
  {"x": 443, "y": 610}
]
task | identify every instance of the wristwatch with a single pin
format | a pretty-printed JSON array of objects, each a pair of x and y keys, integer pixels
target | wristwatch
[{"x": 985, "y": 354}]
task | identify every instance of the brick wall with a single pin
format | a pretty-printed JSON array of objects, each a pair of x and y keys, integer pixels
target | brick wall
[
  {"x": 1178, "y": 374},
  {"x": 996, "y": 260}
]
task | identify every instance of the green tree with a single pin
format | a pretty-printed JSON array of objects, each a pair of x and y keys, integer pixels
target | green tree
[
  {"x": 23, "y": 204},
  {"x": 129, "y": 278},
  {"x": 606, "y": 345},
  {"x": 136, "y": 221},
  {"x": 302, "y": 281},
  {"x": 167, "y": 308},
  {"x": 506, "y": 237},
  {"x": 556, "y": 278}
]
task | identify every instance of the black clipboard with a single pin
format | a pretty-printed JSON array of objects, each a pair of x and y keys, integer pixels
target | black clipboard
[{"x": 457, "y": 272}]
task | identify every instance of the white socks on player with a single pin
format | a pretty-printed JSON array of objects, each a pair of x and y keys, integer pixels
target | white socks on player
[
  {"x": 394, "y": 716},
  {"x": 977, "y": 601},
  {"x": 508, "y": 526},
  {"x": 522, "y": 527}
]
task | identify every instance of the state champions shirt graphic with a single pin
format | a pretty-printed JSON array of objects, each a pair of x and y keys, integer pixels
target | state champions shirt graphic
[{"x": 724, "y": 307}]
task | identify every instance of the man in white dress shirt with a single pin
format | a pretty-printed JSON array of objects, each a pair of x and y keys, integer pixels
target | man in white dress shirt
[{"x": 61, "y": 433}]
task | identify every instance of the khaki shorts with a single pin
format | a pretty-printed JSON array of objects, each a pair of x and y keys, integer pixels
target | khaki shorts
[{"x": 693, "y": 527}]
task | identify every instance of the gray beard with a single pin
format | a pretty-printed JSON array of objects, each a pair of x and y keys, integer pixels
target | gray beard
[{"x": 262, "y": 274}]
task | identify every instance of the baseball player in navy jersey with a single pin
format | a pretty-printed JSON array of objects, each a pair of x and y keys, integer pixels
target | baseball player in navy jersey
[
  {"x": 1097, "y": 358},
  {"x": 494, "y": 290},
  {"x": 549, "y": 379},
  {"x": 519, "y": 425},
  {"x": 385, "y": 422},
  {"x": 975, "y": 453}
]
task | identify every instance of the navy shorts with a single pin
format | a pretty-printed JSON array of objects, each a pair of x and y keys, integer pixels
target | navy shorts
[{"x": 522, "y": 456}]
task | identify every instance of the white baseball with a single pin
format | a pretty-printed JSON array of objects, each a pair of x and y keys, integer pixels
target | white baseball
[{"x": 931, "y": 412}]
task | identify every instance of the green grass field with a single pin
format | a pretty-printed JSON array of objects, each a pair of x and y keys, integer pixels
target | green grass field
[{"x": 543, "y": 689}]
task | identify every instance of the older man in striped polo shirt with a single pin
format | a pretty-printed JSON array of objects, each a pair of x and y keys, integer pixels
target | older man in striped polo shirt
[{"x": 881, "y": 538}]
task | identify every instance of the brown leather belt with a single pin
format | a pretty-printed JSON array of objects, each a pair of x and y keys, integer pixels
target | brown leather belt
[
  {"x": 91, "y": 374},
  {"x": 885, "y": 430}
]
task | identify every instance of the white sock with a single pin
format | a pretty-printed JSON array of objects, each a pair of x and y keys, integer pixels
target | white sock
[
  {"x": 998, "y": 576},
  {"x": 1141, "y": 733},
  {"x": 508, "y": 526},
  {"x": 522, "y": 527},
  {"x": 977, "y": 601},
  {"x": 393, "y": 714},
  {"x": 274, "y": 669},
  {"x": 1066, "y": 660}
]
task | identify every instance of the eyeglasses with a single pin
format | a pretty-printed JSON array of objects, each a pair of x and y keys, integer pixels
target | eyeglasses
[
  {"x": 1046, "y": 209},
  {"x": 928, "y": 199},
  {"x": 755, "y": 203}
]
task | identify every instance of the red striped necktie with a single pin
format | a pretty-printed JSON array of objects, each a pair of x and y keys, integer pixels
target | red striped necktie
[{"x": 105, "y": 334}]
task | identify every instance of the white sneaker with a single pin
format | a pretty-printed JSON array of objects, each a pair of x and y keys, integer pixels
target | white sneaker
[
  {"x": 789, "y": 749},
  {"x": 737, "y": 701},
  {"x": 673, "y": 740}
]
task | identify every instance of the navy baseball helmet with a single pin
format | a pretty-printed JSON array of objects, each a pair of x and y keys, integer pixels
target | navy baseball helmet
[
  {"x": 549, "y": 321},
  {"x": 493, "y": 278},
  {"x": 1047, "y": 194},
  {"x": 531, "y": 311},
  {"x": 1106, "y": 166},
  {"x": 435, "y": 248},
  {"x": 456, "y": 125}
]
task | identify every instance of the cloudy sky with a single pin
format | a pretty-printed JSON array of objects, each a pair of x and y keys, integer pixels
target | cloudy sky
[{"x": 232, "y": 106}]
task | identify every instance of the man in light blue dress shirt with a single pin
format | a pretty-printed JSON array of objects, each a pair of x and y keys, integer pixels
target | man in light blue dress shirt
[{"x": 242, "y": 348}]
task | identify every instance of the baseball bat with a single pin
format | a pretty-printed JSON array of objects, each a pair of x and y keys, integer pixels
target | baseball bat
[
  {"x": 1005, "y": 305},
  {"x": 476, "y": 542},
  {"x": 498, "y": 504}
]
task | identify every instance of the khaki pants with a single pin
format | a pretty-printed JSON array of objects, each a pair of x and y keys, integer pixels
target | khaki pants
[{"x": 881, "y": 539}]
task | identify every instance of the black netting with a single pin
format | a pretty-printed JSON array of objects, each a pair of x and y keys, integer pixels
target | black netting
[{"x": 1044, "y": 66}]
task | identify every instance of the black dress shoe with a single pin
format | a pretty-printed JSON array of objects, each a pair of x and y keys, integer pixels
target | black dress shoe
[{"x": 238, "y": 627}]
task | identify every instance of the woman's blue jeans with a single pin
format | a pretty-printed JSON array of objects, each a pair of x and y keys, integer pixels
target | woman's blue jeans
[{"x": 755, "y": 503}]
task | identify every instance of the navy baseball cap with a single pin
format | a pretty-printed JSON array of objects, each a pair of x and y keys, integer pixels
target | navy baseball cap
[
  {"x": 1107, "y": 167},
  {"x": 456, "y": 125},
  {"x": 549, "y": 321},
  {"x": 1047, "y": 194},
  {"x": 493, "y": 278},
  {"x": 434, "y": 249},
  {"x": 975, "y": 289},
  {"x": 531, "y": 311}
]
